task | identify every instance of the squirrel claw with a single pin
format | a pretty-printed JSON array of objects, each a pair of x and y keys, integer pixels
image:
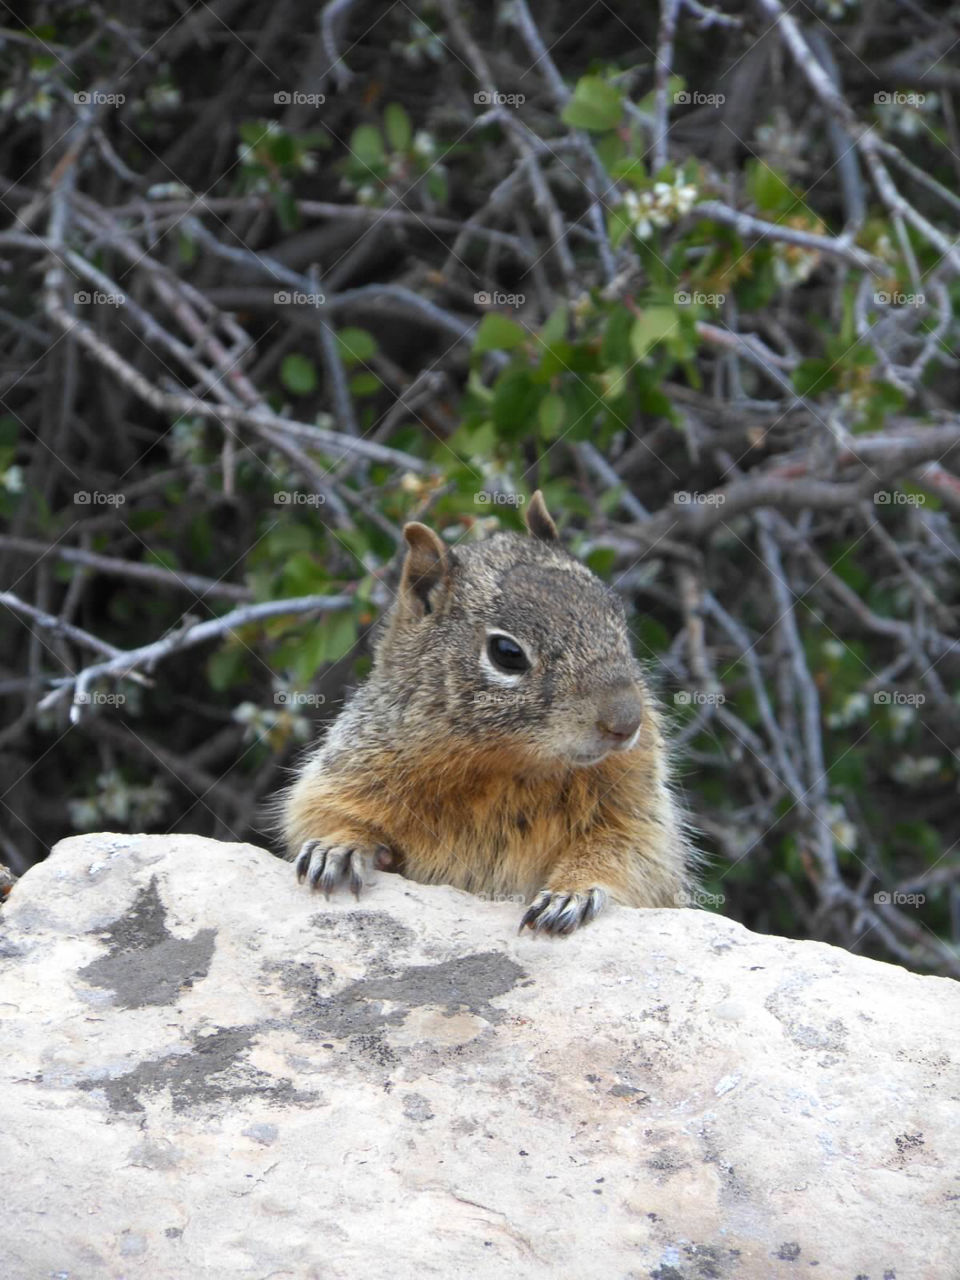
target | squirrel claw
[
  {"x": 323, "y": 866},
  {"x": 559, "y": 912}
]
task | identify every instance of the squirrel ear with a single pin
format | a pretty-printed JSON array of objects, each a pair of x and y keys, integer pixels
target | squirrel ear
[
  {"x": 426, "y": 565},
  {"x": 538, "y": 520}
]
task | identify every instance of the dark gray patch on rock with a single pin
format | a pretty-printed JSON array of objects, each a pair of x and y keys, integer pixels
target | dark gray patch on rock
[
  {"x": 11, "y": 950},
  {"x": 627, "y": 1091},
  {"x": 145, "y": 964},
  {"x": 360, "y": 1008},
  {"x": 787, "y": 1006},
  {"x": 265, "y": 1134},
  {"x": 213, "y": 1070},
  {"x": 372, "y": 1049},
  {"x": 370, "y": 929},
  {"x": 417, "y": 1107},
  {"x": 666, "y": 1163},
  {"x": 734, "y": 1185},
  {"x": 701, "y": 1262}
]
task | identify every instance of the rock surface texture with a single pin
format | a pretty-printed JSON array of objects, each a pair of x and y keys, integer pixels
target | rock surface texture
[{"x": 209, "y": 1072}]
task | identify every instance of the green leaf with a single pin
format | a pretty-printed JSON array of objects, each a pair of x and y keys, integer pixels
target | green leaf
[
  {"x": 302, "y": 575},
  {"x": 252, "y": 132},
  {"x": 616, "y": 347},
  {"x": 478, "y": 389},
  {"x": 675, "y": 85},
  {"x": 651, "y": 400},
  {"x": 356, "y": 541},
  {"x": 476, "y": 442},
  {"x": 498, "y": 333},
  {"x": 328, "y": 641},
  {"x": 551, "y": 415},
  {"x": 365, "y": 384},
  {"x": 555, "y": 328},
  {"x": 356, "y": 345},
  {"x": 602, "y": 561},
  {"x": 298, "y": 375},
  {"x": 515, "y": 401},
  {"x": 340, "y": 634},
  {"x": 617, "y": 228},
  {"x": 769, "y": 190},
  {"x": 366, "y": 144},
  {"x": 283, "y": 541},
  {"x": 813, "y": 376},
  {"x": 287, "y": 212},
  {"x": 227, "y": 667},
  {"x": 582, "y": 406},
  {"x": 595, "y": 105},
  {"x": 652, "y": 635},
  {"x": 650, "y": 327},
  {"x": 611, "y": 149},
  {"x": 437, "y": 186},
  {"x": 557, "y": 358},
  {"x": 396, "y": 125},
  {"x": 282, "y": 148}
]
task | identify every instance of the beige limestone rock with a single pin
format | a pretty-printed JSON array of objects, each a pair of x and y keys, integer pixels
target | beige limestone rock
[{"x": 208, "y": 1071}]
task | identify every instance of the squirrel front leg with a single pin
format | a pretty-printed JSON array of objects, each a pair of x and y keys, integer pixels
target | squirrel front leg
[
  {"x": 577, "y": 889},
  {"x": 329, "y": 844},
  {"x": 583, "y": 880}
]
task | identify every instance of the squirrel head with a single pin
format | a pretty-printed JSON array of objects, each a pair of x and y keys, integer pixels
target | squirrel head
[{"x": 510, "y": 640}]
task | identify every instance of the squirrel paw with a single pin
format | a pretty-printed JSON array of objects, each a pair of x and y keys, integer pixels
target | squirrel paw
[
  {"x": 324, "y": 865},
  {"x": 559, "y": 912}
]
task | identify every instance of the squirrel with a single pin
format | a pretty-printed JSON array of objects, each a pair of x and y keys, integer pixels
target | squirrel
[{"x": 505, "y": 742}]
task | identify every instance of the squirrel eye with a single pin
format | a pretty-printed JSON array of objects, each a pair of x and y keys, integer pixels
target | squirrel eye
[{"x": 507, "y": 654}]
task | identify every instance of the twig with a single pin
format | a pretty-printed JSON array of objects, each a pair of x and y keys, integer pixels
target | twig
[
  {"x": 663, "y": 61},
  {"x": 746, "y": 226},
  {"x": 148, "y": 655},
  {"x": 57, "y": 625},
  {"x": 174, "y": 579}
]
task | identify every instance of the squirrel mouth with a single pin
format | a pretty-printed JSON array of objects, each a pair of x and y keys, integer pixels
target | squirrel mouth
[
  {"x": 593, "y": 755},
  {"x": 584, "y": 759}
]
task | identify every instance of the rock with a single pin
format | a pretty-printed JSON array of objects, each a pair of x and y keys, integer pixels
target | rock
[{"x": 210, "y": 1072}]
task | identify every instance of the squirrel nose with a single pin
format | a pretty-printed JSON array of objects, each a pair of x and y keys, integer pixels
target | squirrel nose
[{"x": 619, "y": 713}]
